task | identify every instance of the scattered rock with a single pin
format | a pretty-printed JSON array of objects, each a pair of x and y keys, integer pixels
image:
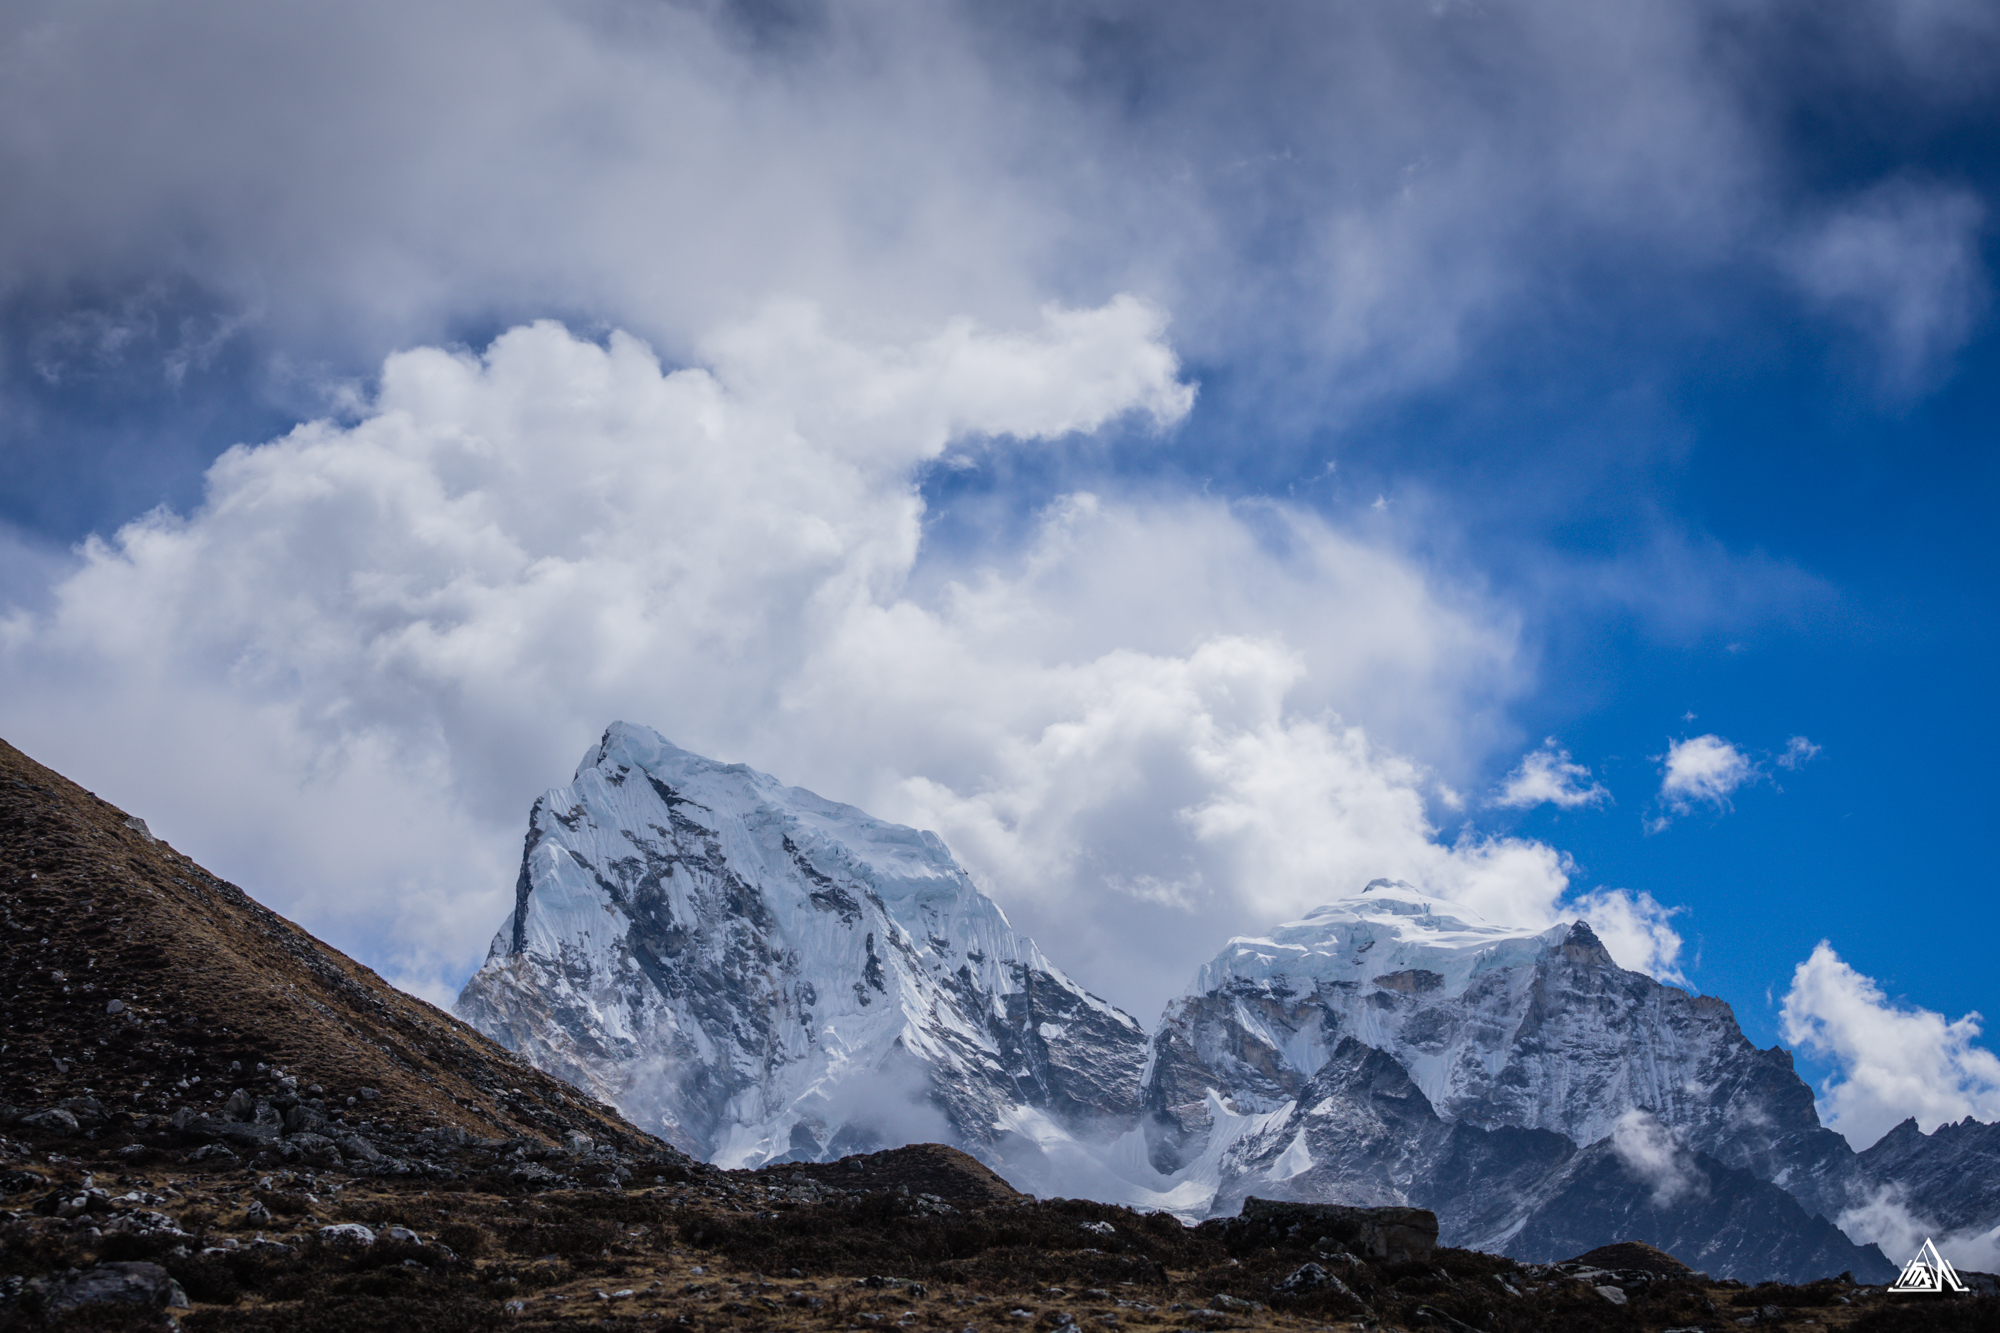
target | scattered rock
[
  {"x": 1310, "y": 1278},
  {"x": 533, "y": 1175},
  {"x": 346, "y": 1233},
  {"x": 140, "y": 1222},
  {"x": 115, "y": 1007},
  {"x": 15, "y": 1182},
  {"x": 1616, "y": 1295}
]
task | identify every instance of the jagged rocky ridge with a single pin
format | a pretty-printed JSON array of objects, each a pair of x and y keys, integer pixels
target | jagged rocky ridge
[
  {"x": 761, "y": 975},
  {"x": 1497, "y": 1026}
]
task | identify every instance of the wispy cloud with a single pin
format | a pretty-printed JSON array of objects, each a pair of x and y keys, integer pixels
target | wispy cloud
[
  {"x": 1798, "y": 752},
  {"x": 1901, "y": 264},
  {"x": 1894, "y": 1060},
  {"x": 1891, "y": 1219},
  {"x": 1649, "y": 1150},
  {"x": 1549, "y": 776}
]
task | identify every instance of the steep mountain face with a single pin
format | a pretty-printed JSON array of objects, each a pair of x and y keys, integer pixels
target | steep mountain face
[
  {"x": 759, "y": 974},
  {"x": 1498, "y": 1027},
  {"x": 1947, "y": 1181}
]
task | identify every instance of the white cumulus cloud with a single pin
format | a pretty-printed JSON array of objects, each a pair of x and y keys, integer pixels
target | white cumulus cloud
[
  {"x": 1701, "y": 770},
  {"x": 1549, "y": 776},
  {"x": 346, "y": 674},
  {"x": 1637, "y": 930},
  {"x": 1894, "y": 1061}
]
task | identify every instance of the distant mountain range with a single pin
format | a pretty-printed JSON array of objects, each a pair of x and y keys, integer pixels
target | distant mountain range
[{"x": 759, "y": 975}]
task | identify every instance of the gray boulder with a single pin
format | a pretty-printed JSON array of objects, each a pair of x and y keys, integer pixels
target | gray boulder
[
  {"x": 54, "y": 1123},
  {"x": 303, "y": 1119},
  {"x": 114, "y": 1284},
  {"x": 359, "y": 1149},
  {"x": 345, "y": 1233}
]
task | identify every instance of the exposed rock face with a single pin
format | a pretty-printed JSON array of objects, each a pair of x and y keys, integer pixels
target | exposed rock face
[
  {"x": 1361, "y": 1132},
  {"x": 759, "y": 974},
  {"x": 1721, "y": 1220}
]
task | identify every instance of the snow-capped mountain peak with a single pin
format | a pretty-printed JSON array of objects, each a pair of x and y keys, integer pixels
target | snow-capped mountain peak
[{"x": 758, "y": 973}]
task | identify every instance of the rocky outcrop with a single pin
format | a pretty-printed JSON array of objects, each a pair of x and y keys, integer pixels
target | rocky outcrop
[
  {"x": 1386, "y": 1235},
  {"x": 759, "y": 974}
]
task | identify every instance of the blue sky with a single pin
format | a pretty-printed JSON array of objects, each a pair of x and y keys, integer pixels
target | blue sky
[{"x": 1188, "y": 455}]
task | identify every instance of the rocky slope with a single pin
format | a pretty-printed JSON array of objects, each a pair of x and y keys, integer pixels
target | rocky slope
[
  {"x": 1945, "y": 1185},
  {"x": 759, "y": 974},
  {"x": 917, "y": 1237},
  {"x": 136, "y": 984}
]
